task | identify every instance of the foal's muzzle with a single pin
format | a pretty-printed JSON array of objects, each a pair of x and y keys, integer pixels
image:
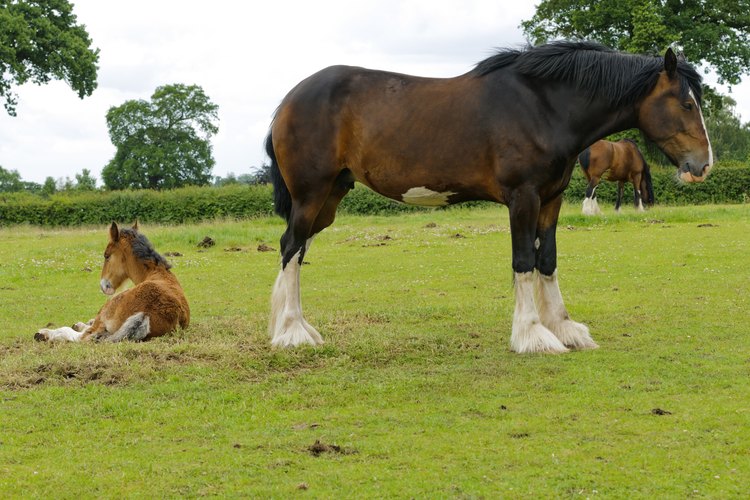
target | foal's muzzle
[{"x": 106, "y": 287}]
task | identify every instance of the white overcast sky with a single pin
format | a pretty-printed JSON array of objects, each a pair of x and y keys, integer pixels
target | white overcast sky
[{"x": 246, "y": 56}]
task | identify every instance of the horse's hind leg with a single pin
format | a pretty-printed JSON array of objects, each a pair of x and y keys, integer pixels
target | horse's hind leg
[
  {"x": 590, "y": 205},
  {"x": 637, "y": 194},
  {"x": 288, "y": 326},
  {"x": 618, "y": 203}
]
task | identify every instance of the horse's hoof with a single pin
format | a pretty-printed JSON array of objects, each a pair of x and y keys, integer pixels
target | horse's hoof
[{"x": 41, "y": 336}]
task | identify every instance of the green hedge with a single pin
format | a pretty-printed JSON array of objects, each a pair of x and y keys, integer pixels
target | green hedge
[{"x": 728, "y": 183}]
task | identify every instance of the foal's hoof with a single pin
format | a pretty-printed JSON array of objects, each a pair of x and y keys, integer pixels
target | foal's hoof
[{"x": 41, "y": 336}]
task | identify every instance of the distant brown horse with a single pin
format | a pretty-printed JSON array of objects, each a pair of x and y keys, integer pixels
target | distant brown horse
[
  {"x": 623, "y": 162},
  {"x": 156, "y": 305},
  {"x": 507, "y": 131}
]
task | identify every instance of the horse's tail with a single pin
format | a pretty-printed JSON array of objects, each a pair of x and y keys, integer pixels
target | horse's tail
[
  {"x": 584, "y": 159},
  {"x": 136, "y": 328},
  {"x": 282, "y": 200},
  {"x": 647, "y": 185}
]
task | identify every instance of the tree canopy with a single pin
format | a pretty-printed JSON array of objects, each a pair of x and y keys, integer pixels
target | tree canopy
[
  {"x": 715, "y": 33},
  {"x": 40, "y": 40},
  {"x": 162, "y": 143}
]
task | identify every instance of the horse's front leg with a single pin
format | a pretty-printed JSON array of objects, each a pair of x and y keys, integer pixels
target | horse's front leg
[
  {"x": 528, "y": 333},
  {"x": 65, "y": 333},
  {"x": 549, "y": 300}
]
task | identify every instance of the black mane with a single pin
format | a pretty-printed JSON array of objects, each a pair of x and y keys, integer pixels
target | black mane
[
  {"x": 143, "y": 249},
  {"x": 592, "y": 68}
]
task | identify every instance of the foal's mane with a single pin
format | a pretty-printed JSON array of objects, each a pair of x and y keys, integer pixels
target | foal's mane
[
  {"x": 143, "y": 249},
  {"x": 592, "y": 68}
]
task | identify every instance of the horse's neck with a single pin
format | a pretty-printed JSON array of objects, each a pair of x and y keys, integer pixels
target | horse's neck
[
  {"x": 598, "y": 121},
  {"x": 140, "y": 272}
]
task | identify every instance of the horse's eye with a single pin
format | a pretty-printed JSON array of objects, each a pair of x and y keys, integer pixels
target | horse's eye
[
  {"x": 688, "y": 105},
  {"x": 106, "y": 257}
]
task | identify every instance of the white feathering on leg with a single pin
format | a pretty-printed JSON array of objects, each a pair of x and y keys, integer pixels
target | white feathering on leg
[
  {"x": 554, "y": 316},
  {"x": 529, "y": 334},
  {"x": 288, "y": 326}
]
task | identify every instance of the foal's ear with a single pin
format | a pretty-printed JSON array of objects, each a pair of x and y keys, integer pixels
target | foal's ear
[
  {"x": 114, "y": 232},
  {"x": 670, "y": 63},
  {"x": 135, "y": 225}
]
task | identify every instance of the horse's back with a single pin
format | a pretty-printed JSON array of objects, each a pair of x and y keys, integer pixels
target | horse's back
[{"x": 396, "y": 133}]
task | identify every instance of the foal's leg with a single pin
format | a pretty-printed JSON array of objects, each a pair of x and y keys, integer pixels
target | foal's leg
[
  {"x": 65, "y": 333},
  {"x": 590, "y": 205},
  {"x": 549, "y": 300},
  {"x": 528, "y": 333}
]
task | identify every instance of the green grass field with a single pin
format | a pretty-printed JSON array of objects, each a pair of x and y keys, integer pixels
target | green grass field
[{"x": 415, "y": 393}]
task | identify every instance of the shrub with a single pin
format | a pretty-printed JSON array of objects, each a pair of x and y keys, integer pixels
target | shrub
[{"x": 728, "y": 183}]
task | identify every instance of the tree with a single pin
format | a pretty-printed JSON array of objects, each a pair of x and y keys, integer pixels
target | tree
[
  {"x": 49, "y": 187},
  {"x": 84, "y": 181},
  {"x": 40, "y": 40},
  {"x": 730, "y": 139},
  {"x": 162, "y": 143},
  {"x": 10, "y": 181},
  {"x": 715, "y": 33}
]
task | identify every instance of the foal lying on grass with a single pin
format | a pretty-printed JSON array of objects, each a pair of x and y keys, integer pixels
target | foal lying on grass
[{"x": 154, "y": 306}]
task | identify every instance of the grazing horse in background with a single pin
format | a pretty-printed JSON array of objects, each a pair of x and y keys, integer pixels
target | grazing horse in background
[
  {"x": 507, "y": 131},
  {"x": 156, "y": 305},
  {"x": 622, "y": 161}
]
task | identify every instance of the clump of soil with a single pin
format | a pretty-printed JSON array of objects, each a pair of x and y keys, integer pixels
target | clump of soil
[
  {"x": 659, "y": 411},
  {"x": 207, "y": 242},
  {"x": 265, "y": 248}
]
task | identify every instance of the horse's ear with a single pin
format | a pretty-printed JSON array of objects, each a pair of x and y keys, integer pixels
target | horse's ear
[
  {"x": 135, "y": 225},
  {"x": 114, "y": 232},
  {"x": 670, "y": 63}
]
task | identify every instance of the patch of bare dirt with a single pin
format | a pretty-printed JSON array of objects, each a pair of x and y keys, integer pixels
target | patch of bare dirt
[
  {"x": 660, "y": 412},
  {"x": 173, "y": 254},
  {"x": 233, "y": 249},
  {"x": 318, "y": 448},
  {"x": 265, "y": 248}
]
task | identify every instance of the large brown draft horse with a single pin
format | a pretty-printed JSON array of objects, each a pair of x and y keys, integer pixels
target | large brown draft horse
[
  {"x": 621, "y": 162},
  {"x": 156, "y": 305},
  {"x": 507, "y": 131}
]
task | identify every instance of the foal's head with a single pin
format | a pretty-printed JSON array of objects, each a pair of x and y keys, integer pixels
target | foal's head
[
  {"x": 128, "y": 253},
  {"x": 671, "y": 116}
]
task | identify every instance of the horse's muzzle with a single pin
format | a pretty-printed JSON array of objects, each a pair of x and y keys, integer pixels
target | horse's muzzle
[
  {"x": 107, "y": 287},
  {"x": 694, "y": 172}
]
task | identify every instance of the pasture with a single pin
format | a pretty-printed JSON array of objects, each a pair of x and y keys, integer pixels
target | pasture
[{"x": 415, "y": 392}]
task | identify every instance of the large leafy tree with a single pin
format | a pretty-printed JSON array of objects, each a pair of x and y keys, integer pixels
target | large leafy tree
[
  {"x": 40, "y": 40},
  {"x": 715, "y": 33},
  {"x": 162, "y": 143}
]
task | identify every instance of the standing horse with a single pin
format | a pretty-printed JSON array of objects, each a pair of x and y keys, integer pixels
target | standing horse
[
  {"x": 622, "y": 161},
  {"x": 156, "y": 305},
  {"x": 507, "y": 131}
]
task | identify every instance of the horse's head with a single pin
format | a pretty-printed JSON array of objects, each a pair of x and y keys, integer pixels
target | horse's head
[
  {"x": 670, "y": 115},
  {"x": 114, "y": 271}
]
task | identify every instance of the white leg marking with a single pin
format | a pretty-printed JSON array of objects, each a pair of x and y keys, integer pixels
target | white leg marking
[
  {"x": 591, "y": 207},
  {"x": 640, "y": 205},
  {"x": 555, "y": 317},
  {"x": 287, "y": 326},
  {"x": 60, "y": 334},
  {"x": 529, "y": 334}
]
